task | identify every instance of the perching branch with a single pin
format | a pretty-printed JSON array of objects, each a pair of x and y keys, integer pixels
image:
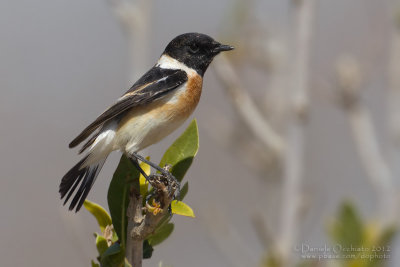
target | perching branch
[
  {"x": 142, "y": 221},
  {"x": 134, "y": 246}
]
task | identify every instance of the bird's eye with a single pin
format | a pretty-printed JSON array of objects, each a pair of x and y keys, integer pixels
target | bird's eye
[{"x": 193, "y": 48}]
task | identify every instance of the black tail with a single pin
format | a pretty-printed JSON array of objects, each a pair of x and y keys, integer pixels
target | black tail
[{"x": 71, "y": 180}]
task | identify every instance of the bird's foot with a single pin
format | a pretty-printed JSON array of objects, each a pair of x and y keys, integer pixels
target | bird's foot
[{"x": 166, "y": 180}]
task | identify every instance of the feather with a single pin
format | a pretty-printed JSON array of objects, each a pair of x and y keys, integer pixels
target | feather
[{"x": 83, "y": 175}]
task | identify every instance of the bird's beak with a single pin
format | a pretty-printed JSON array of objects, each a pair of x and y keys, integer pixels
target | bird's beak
[{"x": 220, "y": 48}]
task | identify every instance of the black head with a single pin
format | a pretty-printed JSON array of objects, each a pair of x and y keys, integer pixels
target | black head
[{"x": 195, "y": 50}]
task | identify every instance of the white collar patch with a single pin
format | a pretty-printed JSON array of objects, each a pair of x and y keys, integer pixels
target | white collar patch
[{"x": 167, "y": 62}]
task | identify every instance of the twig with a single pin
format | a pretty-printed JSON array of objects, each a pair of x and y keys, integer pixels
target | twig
[
  {"x": 293, "y": 172},
  {"x": 394, "y": 91},
  {"x": 134, "y": 246},
  {"x": 142, "y": 222},
  {"x": 364, "y": 135},
  {"x": 394, "y": 79},
  {"x": 246, "y": 107},
  {"x": 375, "y": 165}
]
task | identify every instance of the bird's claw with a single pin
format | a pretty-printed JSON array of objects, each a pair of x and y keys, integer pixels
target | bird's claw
[{"x": 170, "y": 182}]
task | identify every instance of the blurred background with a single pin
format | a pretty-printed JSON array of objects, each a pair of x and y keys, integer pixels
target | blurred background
[{"x": 299, "y": 127}]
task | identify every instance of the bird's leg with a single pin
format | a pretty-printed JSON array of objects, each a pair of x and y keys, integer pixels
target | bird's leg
[
  {"x": 149, "y": 179},
  {"x": 172, "y": 181},
  {"x": 136, "y": 164},
  {"x": 155, "y": 166}
]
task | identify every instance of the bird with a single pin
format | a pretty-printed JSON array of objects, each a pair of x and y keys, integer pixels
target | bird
[{"x": 157, "y": 104}]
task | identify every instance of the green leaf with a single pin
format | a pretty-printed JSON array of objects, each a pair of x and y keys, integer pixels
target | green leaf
[
  {"x": 95, "y": 264},
  {"x": 144, "y": 184},
  {"x": 127, "y": 264},
  {"x": 147, "y": 250},
  {"x": 180, "y": 208},
  {"x": 114, "y": 256},
  {"x": 161, "y": 234},
  {"x": 184, "y": 190},
  {"x": 181, "y": 153},
  {"x": 101, "y": 244},
  {"x": 348, "y": 229},
  {"x": 112, "y": 250},
  {"x": 101, "y": 215},
  {"x": 125, "y": 176},
  {"x": 164, "y": 220}
]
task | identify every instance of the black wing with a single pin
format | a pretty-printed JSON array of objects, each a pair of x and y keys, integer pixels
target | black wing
[{"x": 156, "y": 83}]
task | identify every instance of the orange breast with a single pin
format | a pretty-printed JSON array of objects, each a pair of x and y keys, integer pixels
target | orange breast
[{"x": 187, "y": 100}]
